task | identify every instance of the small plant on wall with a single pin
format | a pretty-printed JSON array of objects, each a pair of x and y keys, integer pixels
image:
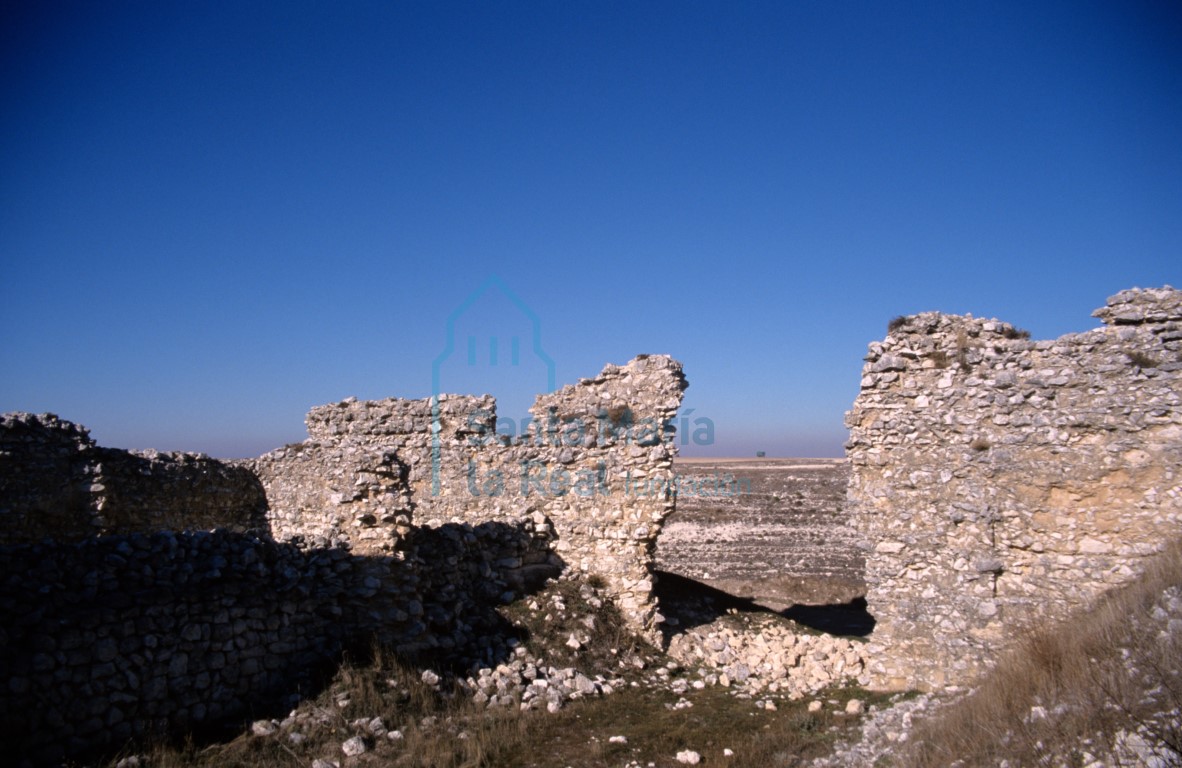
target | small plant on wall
[
  {"x": 962, "y": 351},
  {"x": 1141, "y": 360}
]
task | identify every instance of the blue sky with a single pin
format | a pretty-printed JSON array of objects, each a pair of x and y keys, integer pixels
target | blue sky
[{"x": 214, "y": 216}]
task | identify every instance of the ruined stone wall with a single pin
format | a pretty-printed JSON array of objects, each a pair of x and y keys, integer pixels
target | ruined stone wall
[
  {"x": 999, "y": 481},
  {"x": 123, "y": 612},
  {"x": 149, "y": 634},
  {"x": 596, "y": 468},
  {"x": 55, "y": 482},
  {"x": 46, "y": 474}
]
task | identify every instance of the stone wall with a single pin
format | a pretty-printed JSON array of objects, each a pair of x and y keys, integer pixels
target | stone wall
[
  {"x": 596, "y": 467},
  {"x": 143, "y": 634},
  {"x": 55, "y": 482},
  {"x": 124, "y": 613},
  {"x": 46, "y": 475},
  {"x": 999, "y": 481}
]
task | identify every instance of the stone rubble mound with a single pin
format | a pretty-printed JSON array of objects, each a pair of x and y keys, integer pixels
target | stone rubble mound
[{"x": 767, "y": 657}]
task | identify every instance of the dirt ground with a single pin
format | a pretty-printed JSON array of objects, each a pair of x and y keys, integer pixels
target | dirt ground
[{"x": 770, "y": 530}]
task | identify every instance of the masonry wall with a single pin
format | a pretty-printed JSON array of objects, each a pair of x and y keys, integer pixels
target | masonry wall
[
  {"x": 46, "y": 474},
  {"x": 597, "y": 467},
  {"x": 150, "y": 593},
  {"x": 56, "y": 483},
  {"x": 153, "y": 633},
  {"x": 999, "y": 481}
]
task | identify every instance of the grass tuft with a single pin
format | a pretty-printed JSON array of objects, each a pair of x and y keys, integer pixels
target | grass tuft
[
  {"x": 1010, "y": 332},
  {"x": 1077, "y": 692},
  {"x": 1141, "y": 360},
  {"x": 962, "y": 351},
  {"x": 940, "y": 358}
]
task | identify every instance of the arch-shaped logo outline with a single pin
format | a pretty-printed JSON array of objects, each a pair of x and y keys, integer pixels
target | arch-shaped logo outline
[{"x": 493, "y": 281}]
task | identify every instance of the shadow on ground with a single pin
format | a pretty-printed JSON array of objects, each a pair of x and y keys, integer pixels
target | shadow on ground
[
  {"x": 850, "y": 618},
  {"x": 692, "y": 603}
]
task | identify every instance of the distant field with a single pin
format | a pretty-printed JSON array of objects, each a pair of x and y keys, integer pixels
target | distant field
[{"x": 770, "y": 529}]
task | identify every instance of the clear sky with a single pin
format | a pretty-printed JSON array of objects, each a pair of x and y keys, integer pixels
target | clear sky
[{"x": 216, "y": 215}]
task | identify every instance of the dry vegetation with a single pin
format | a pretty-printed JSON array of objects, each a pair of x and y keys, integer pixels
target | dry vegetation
[
  {"x": 1141, "y": 360},
  {"x": 1105, "y": 686},
  {"x": 443, "y": 727},
  {"x": 462, "y": 735},
  {"x": 1103, "y": 689}
]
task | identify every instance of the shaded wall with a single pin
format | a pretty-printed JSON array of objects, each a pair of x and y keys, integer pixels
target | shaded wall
[
  {"x": 145, "y": 593},
  {"x": 56, "y": 483},
  {"x": 147, "y": 634}
]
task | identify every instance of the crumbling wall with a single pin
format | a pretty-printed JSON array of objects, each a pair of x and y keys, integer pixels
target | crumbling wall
[
  {"x": 124, "y": 613},
  {"x": 56, "y": 483},
  {"x": 149, "y": 634},
  {"x": 46, "y": 474},
  {"x": 999, "y": 481},
  {"x": 596, "y": 468}
]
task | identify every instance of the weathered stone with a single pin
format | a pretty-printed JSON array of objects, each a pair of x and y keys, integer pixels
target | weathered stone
[
  {"x": 1037, "y": 475},
  {"x": 604, "y": 444},
  {"x": 56, "y": 483},
  {"x": 176, "y": 628},
  {"x": 263, "y": 728}
]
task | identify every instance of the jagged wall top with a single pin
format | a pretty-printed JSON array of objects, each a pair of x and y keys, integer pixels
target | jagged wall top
[
  {"x": 55, "y": 482},
  {"x": 1142, "y": 305},
  {"x": 595, "y": 469},
  {"x": 999, "y": 480},
  {"x": 377, "y": 420},
  {"x": 649, "y": 387}
]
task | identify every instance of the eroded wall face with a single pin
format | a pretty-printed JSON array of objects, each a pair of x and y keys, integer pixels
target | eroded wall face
[
  {"x": 56, "y": 483},
  {"x": 999, "y": 481},
  {"x": 122, "y": 615},
  {"x": 146, "y": 634},
  {"x": 596, "y": 470}
]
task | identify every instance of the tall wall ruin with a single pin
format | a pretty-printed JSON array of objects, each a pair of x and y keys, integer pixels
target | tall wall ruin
[
  {"x": 595, "y": 469},
  {"x": 999, "y": 481},
  {"x": 55, "y": 482},
  {"x": 123, "y": 613}
]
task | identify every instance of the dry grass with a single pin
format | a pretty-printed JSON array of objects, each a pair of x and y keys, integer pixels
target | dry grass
[
  {"x": 962, "y": 351},
  {"x": 940, "y": 358},
  {"x": 1079, "y": 689},
  {"x": 1141, "y": 360},
  {"x": 447, "y": 729},
  {"x": 619, "y": 415},
  {"x": 580, "y": 735},
  {"x": 1012, "y": 333},
  {"x": 465, "y": 736}
]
